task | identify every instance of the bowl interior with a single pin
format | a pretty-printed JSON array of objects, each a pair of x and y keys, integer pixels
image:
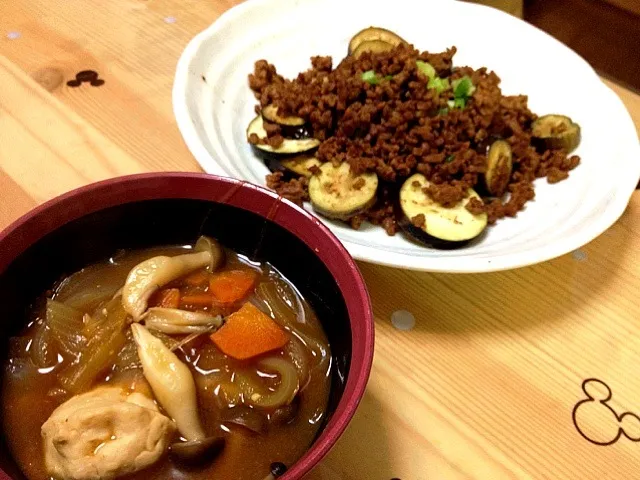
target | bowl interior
[{"x": 148, "y": 223}]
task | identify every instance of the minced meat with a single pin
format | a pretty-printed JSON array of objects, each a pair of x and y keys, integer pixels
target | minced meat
[{"x": 399, "y": 126}]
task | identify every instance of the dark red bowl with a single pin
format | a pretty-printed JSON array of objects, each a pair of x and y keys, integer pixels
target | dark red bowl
[{"x": 90, "y": 223}]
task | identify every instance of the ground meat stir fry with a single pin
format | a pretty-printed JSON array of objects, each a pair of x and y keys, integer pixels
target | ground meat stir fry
[{"x": 399, "y": 126}]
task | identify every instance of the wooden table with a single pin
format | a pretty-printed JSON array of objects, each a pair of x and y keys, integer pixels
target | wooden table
[{"x": 482, "y": 387}]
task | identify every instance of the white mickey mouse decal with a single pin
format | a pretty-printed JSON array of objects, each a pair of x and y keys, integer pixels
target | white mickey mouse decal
[{"x": 597, "y": 421}]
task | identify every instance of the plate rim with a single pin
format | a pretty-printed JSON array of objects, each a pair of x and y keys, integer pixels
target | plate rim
[{"x": 369, "y": 254}]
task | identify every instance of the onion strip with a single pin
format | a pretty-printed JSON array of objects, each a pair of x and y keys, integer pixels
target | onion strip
[{"x": 284, "y": 393}]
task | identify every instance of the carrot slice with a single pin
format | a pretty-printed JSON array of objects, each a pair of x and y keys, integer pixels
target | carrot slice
[
  {"x": 169, "y": 298},
  {"x": 197, "y": 300},
  {"x": 232, "y": 286},
  {"x": 198, "y": 278},
  {"x": 248, "y": 333}
]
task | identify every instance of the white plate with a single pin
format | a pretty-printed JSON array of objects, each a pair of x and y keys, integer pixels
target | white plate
[{"x": 213, "y": 114}]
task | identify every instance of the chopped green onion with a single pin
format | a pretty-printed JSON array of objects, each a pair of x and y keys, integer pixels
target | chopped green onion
[
  {"x": 450, "y": 158},
  {"x": 373, "y": 79},
  {"x": 463, "y": 87},
  {"x": 443, "y": 111},
  {"x": 426, "y": 68},
  {"x": 459, "y": 103},
  {"x": 370, "y": 77},
  {"x": 439, "y": 84},
  {"x": 451, "y": 103}
]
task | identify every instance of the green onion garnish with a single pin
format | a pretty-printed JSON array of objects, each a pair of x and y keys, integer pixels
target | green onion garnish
[
  {"x": 439, "y": 84},
  {"x": 426, "y": 68},
  {"x": 463, "y": 87},
  {"x": 459, "y": 103},
  {"x": 370, "y": 77},
  {"x": 373, "y": 79}
]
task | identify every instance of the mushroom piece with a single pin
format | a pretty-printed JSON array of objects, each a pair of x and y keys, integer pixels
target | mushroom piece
[
  {"x": 197, "y": 451},
  {"x": 146, "y": 277},
  {"x": 171, "y": 382},
  {"x": 174, "y": 321},
  {"x": 208, "y": 244}
]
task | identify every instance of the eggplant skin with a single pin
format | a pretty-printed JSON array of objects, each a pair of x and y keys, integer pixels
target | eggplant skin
[
  {"x": 499, "y": 168},
  {"x": 344, "y": 217},
  {"x": 423, "y": 238},
  {"x": 270, "y": 114},
  {"x": 372, "y": 46},
  {"x": 269, "y": 157},
  {"x": 372, "y": 34},
  {"x": 295, "y": 128},
  {"x": 290, "y": 147},
  {"x": 292, "y": 167}
]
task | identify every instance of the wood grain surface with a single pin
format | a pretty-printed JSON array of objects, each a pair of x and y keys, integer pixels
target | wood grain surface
[{"x": 485, "y": 386}]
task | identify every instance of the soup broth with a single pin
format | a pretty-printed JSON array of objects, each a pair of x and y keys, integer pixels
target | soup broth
[{"x": 243, "y": 395}]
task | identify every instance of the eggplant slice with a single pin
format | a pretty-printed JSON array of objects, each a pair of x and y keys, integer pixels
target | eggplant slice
[
  {"x": 288, "y": 148},
  {"x": 297, "y": 166},
  {"x": 439, "y": 226},
  {"x": 335, "y": 192},
  {"x": 499, "y": 167},
  {"x": 556, "y": 132},
  {"x": 372, "y": 46},
  {"x": 292, "y": 127},
  {"x": 374, "y": 34},
  {"x": 270, "y": 114}
]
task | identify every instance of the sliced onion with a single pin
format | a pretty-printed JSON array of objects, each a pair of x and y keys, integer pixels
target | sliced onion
[
  {"x": 273, "y": 299},
  {"x": 43, "y": 352},
  {"x": 319, "y": 349},
  {"x": 101, "y": 351},
  {"x": 297, "y": 353},
  {"x": 272, "y": 295},
  {"x": 128, "y": 356},
  {"x": 227, "y": 393},
  {"x": 285, "y": 391},
  {"x": 91, "y": 286},
  {"x": 66, "y": 327}
]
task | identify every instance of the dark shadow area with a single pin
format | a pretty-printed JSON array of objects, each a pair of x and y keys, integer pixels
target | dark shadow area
[{"x": 608, "y": 37}]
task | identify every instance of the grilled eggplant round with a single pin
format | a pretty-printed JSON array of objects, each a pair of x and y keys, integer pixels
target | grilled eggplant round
[
  {"x": 431, "y": 223},
  {"x": 556, "y": 132},
  {"x": 270, "y": 114},
  {"x": 289, "y": 147},
  {"x": 499, "y": 167},
  {"x": 372, "y": 46},
  {"x": 297, "y": 166},
  {"x": 374, "y": 34},
  {"x": 335, "y": 192},
  {"x": 291, "y": 127}
]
